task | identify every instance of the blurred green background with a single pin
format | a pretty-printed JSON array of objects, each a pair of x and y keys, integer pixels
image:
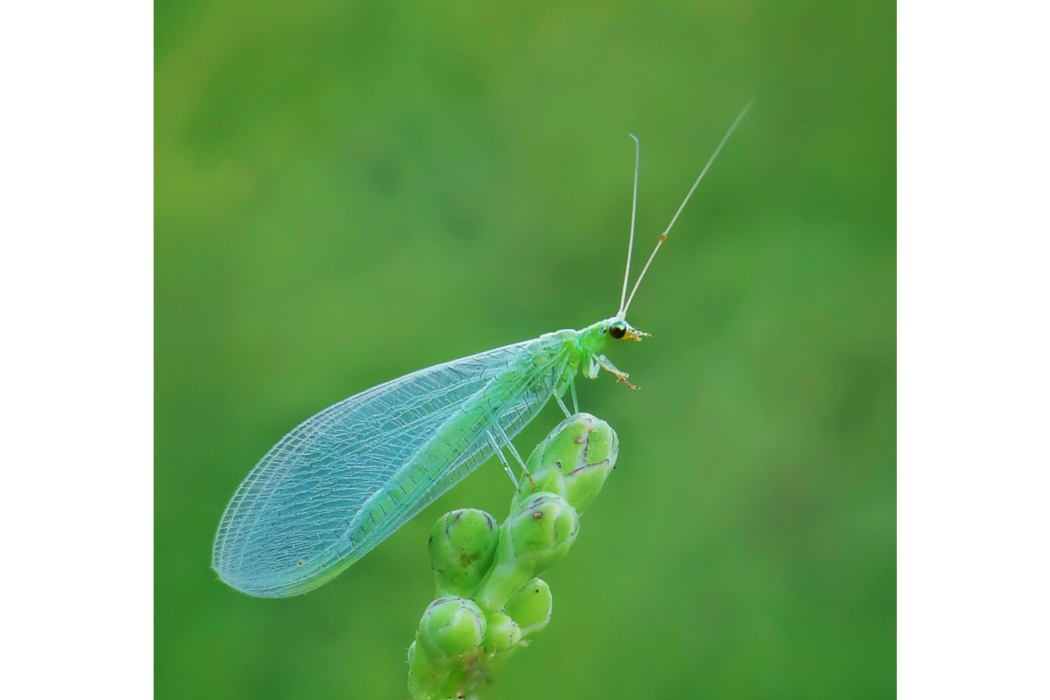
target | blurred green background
[{"x": 350, "y": 191}]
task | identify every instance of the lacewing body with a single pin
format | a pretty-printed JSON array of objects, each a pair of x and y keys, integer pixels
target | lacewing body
[{"x": 344, "y": 480}]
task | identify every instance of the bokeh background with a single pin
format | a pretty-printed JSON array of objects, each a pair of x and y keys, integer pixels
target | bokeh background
[{"x": 350, "y": 191}]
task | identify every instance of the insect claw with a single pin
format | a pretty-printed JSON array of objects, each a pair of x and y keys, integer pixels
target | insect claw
[
  {"x": 610, "y": 367},
  {"x": 622, "y": 377}
]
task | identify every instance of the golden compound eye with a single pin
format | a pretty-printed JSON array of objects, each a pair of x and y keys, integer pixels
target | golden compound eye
[{"x": 618, "y": 329}]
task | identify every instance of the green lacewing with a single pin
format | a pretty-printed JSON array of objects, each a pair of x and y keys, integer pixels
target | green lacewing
[{"x": 344, "y": 480}]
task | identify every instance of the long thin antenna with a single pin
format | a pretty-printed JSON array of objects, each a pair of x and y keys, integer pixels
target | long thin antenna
[
  {"x": 634, "y": 211},
  {"x": 663, "y": 236}
]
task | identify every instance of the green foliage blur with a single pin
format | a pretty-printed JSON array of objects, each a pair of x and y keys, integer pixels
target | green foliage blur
[{"x": 350, "y": 191}]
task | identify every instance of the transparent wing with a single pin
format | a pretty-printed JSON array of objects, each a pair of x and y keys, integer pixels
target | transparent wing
[{"x": 346, "y": 478}]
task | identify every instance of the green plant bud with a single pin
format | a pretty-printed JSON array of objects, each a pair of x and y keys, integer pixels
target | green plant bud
[
  {"x": 450, "y": 627},
  {"x": 462, "y": 544},
  {"x": 422, "y": 675},
  {"x": 537, "y": 534},
  {"x": 584, "y": 482},
  {"x": 573, "y": 461},
  {"x": 542, "y": 530},
  {"x": 531, "y": 607},
  {"x": 503, "y": 634}
]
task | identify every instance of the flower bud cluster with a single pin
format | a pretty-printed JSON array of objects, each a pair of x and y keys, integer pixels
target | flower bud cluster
[{"x": 489, "y": 601}]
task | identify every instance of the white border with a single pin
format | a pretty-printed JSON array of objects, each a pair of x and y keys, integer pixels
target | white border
[
  {"x": 76, "y": 293},
  {"x": 973, "y": 351}
]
